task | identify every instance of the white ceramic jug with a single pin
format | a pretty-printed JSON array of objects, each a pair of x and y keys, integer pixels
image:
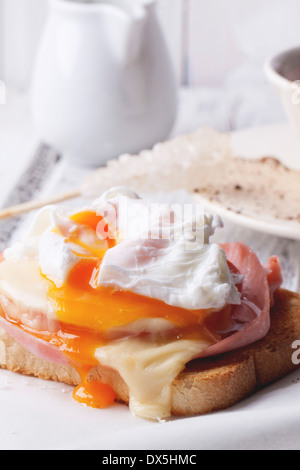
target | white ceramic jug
[{"x": 103, "y": 83}]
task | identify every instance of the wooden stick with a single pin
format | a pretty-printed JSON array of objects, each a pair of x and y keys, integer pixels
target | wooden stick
[{"x": 37, "y": 204}]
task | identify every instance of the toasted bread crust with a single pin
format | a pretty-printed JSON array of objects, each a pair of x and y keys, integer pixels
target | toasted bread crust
[{"x": 205, "y": 385}]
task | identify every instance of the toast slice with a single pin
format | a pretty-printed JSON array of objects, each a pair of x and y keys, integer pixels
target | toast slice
[{"x": 205, "y": 385}]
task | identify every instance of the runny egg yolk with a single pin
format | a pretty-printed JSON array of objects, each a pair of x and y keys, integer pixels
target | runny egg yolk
[
  {"x": 88, "y": 218},
  {"x": 97, "y": 312},
  {"x": 91, "y": 317}
]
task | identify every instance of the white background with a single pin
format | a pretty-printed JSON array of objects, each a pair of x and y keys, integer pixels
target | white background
[
  {"x": 212, "y": 38},
  {"x": 218, "y": 48}
]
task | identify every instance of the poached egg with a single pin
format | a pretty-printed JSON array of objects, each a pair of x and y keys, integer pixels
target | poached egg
[{"x": 125, "y": 283}]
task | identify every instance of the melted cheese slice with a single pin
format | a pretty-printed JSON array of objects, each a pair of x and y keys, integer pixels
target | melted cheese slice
[
  {"x": 149, "y": 368},
  {"x": 23, "y": 284}
]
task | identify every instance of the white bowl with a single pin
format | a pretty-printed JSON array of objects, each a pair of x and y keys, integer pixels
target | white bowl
[{"x": 283, "y": 71}]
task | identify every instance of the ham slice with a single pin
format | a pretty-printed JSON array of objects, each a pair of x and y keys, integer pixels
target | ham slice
[
  {"x": 38, "y": 347},
  {"x": 250, "y": 321},
  {"x": 274, "y": 275}
]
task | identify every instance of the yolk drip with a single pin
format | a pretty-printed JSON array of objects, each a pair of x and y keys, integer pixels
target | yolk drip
[
  {"x": 82, "y": 354},
  {"x": 94, "y": 394}
]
